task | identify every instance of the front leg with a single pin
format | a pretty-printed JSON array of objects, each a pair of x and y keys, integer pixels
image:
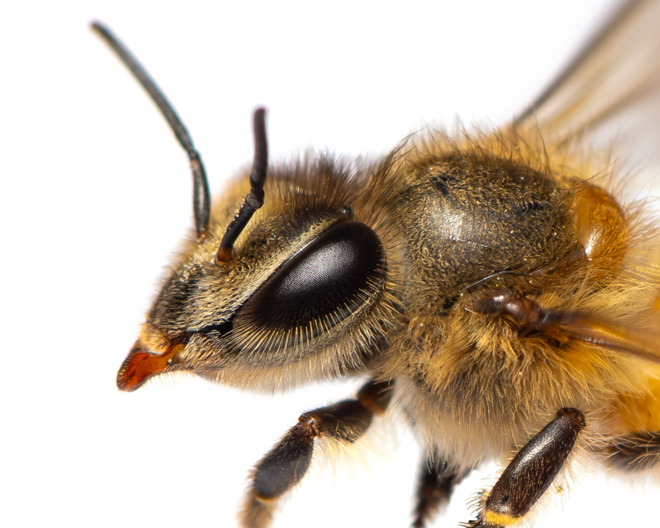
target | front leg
[
  {"x": 284, "y": 465},
  {"x": 530, "y": 472}
]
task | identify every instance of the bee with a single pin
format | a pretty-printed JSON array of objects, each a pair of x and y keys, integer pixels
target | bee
[{"x": 487, "y": 284}]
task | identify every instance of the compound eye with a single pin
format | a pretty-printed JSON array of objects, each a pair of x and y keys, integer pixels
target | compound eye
[{"x": 340, "y": 273}]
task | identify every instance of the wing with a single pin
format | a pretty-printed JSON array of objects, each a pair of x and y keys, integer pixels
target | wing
[
  {"x": 611, "y": 89},
  {"x": 610, "y": 94}
]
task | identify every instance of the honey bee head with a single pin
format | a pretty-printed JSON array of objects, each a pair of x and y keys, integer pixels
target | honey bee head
[{"x": 303, "y": 294}]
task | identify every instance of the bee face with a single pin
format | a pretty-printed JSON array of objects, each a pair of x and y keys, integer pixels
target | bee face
[{"x": 304, "y": 250}]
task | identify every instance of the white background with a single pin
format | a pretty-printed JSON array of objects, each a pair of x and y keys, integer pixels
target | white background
[{"x": 95, "y": 195}]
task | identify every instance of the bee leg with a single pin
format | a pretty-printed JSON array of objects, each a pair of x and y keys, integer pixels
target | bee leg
[
  {"x": 530, "y": 472},
  {"x": 635, "y": 451},
  {"x": 436, "y": 484},
  {"x": 286, "y": 463}
]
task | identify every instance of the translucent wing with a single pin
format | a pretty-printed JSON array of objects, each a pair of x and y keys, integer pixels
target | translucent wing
[
  {"x": 611, "y": 89},
  {"x": 616, "y": 339},
  {"x": 610, "y": 95}
]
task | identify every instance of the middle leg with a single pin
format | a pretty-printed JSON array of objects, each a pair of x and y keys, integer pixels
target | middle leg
[{"x": 530, "y": 472}]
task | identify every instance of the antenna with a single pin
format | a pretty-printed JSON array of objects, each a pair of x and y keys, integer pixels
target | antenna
[
  {"x": 255, "y": 199},
  {"x": 201, "y": 196}
]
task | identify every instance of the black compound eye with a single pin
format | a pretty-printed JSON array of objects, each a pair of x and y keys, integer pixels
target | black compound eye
[{"x": 335, "y": 276}]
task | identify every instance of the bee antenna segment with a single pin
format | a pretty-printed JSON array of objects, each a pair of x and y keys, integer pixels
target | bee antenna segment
[
  {"x": 255, "y": 199},
  {"x": 201, "y": 195}
]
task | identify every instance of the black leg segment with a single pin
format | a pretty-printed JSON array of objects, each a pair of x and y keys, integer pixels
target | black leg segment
[
  {"x": 436, "y": 484},
  {"x": 284, "y": 465},
  {"x": 530, "y": 472}
]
